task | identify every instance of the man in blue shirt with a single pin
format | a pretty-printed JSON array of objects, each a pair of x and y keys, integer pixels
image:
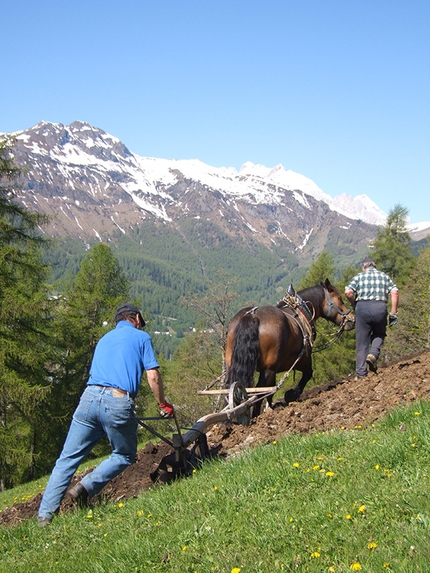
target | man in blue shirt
[
  {"x": 368, "y": 294},
  {"x": 107, "y": 408}
]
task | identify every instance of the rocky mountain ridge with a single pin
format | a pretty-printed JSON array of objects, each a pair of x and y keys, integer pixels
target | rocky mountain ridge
[{"x": 93, "y": 187}]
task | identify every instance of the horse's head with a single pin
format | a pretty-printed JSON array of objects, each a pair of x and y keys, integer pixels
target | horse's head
[{"x": 334, "y": 309}]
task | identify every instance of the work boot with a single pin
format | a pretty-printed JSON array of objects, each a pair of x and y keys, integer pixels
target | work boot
[
  {"x": 44, "y": 521},
  {"x": 78, "y": 494},
  {"x": 371, "y": 363}
]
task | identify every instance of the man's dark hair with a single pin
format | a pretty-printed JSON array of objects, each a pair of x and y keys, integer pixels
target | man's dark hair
[{"x": 128, "y": 311}]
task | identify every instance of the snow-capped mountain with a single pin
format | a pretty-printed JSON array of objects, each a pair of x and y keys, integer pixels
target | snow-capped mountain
[{"x": 93, "y": 186}]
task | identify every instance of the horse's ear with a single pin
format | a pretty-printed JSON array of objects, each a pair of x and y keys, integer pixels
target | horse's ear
[{"x": 327, "y": 283}]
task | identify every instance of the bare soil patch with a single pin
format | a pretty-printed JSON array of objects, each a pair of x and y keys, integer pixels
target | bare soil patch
[{"x": 343, "y": 403}]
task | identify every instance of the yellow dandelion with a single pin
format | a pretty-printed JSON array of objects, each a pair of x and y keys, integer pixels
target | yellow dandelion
[
  {"x": 348, "y": 516},
  {"x": 215, "y": 487},
  {"x": 330, "y": 515},
  {"x": 356, "y": 566},
  {"x": 184, "y": 548},
  {"x": 361, "y": 509},
  {"x": 296, "y": 464},
  {"x": 90, "y": 516},
  {"x": 235, "y": 570},
  {"x": 417, "y": 413},
  {"x": 329, "y": 474},
  {"x": 149, "y": 515},
  {"x": 274, "y": 442},
  {"x": 291, "y": 520},
  {"x": 386, "y": 565},
  {"x": 331, "y": 569},
  {"x": 377, "y": 467},
  {"x": 372, "y": 545},
  {"x": 120, "y": 505},
  {"x": 99, "y": 524},
  {"x": 140, "y": 513},
  {"x": 339, "y": 459},
  {"x": 316, "y": 467},
  {"x": 315, "y": 555}
]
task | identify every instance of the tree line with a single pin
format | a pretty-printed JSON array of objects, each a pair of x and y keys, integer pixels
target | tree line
[{"x": 48, "y": 329}]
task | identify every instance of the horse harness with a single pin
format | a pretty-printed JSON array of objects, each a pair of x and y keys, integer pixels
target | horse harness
[{"x": 296, "y": 308}]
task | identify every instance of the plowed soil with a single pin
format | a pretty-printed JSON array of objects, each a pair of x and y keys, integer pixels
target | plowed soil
[{"x": 344, "y": 403}]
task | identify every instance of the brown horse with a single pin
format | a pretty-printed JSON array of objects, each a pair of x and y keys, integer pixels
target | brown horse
[{"x": 270, "y": 339}]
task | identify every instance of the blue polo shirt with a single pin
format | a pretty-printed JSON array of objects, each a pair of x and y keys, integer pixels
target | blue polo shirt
[{"x": 120, "y": 358}]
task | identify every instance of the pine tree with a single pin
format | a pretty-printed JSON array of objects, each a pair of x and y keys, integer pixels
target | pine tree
[
  {"x": 392, "y": 251},
  {"x": 25, "y": 347},
  {"x": 321, "y": 269},
  {"x": 412, "y": 332},
  {"x": 85, "y": 314}
]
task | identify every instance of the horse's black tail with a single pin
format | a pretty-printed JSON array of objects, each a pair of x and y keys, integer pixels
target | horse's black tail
[{"x": 246, "y": 351}]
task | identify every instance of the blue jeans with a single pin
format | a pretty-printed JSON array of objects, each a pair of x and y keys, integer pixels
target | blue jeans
[
  {"x": 99, "y": 413},
  {"x": 370, "y": 331}
]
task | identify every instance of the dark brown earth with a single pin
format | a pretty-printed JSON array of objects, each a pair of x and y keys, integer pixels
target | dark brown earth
[{"x": 343, "y": 403}]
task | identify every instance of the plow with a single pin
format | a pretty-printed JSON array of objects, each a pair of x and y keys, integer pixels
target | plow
[{"x": 190, "y": 448}]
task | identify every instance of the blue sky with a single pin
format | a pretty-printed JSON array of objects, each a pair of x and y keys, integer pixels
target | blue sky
[{"x": 337, "y": 90}]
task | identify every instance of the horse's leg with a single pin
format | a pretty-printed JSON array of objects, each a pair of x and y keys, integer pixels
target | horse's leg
[
  {"x": 266, "y": 378},
  {"x": 292, "y": 394}
]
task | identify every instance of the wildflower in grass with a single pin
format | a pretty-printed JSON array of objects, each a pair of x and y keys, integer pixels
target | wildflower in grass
[
  {"x": 339, "y": 459},
  {"x": 361, "y": 509},
  {"x": 417, "y": 413},
  {"x": 316, "y": 467},
  {"x": 235, "y": 570},
  {"x": 120, "y": 505},
  {"x": 348, "y": 516},
  {"x": 296, "y": 464},
  {"x": 291, "y": 520},
  {"x": 377, "y": 467},
  {"x": 274, "y": 442},
  {"x": 356, "y": 566},
  {"x": 372, "y": 545},
  {"x": 184, "y": 548},
  {"x": 386, "y": 565},
  {"x": 140, "y": 513},
  {"x": 315, "y": 555},
  {"x": 89, "y": 515},
  {"x": 329, "y": 515},
  {"x": 215, "y": 487},
  {"x": 331, "y": 569},
  {"x": 329, "y": 474}
]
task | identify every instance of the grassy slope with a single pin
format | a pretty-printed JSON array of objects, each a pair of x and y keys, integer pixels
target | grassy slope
[{"x": 341, "y": 501}]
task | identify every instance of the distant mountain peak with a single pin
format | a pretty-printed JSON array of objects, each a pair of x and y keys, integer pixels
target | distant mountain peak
[{"x": 77, "y": 169}]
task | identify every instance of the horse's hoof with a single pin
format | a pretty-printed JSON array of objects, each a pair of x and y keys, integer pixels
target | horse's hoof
[{"x": 291, "y": 396}]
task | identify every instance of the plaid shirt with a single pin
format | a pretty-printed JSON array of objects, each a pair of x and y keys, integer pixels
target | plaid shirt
[{"x": 371, "y": 284}]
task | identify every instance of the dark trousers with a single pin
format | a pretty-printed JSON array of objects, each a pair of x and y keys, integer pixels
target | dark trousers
[{"x": 370, "y": 331}]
